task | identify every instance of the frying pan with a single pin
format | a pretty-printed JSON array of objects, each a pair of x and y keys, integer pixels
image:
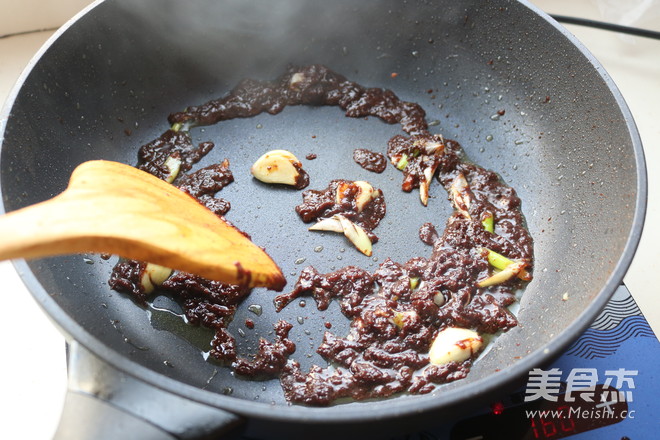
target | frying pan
[{"x": 106, "y": 82}]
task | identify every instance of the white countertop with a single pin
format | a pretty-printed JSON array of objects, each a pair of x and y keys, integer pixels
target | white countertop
[{"x": 33, "y": 371}]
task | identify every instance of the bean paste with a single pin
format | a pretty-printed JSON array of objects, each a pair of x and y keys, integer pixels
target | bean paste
[{"x": 396, "y": 311}]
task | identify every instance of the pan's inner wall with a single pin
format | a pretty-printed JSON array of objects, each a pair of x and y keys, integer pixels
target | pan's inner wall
[{"x": 106, "y": 86}]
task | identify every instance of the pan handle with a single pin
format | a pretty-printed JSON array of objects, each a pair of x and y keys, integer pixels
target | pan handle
[{"x": 103, "y": 403}]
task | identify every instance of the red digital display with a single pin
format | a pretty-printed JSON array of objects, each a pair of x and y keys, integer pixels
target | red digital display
[
  {"x": 544, "y": 427},
  {"x": 544, "y": 419}
]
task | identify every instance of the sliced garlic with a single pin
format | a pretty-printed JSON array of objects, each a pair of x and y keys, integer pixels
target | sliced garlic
[
  {"x": 146, "y": 283},
  {"x": 331, "y": 224},
  {"x": 365, "y": 193},
  {"x": 153, "y": 276},
  {"x": 277, "y": 166},
  {"x": 426, "y": 183},
  {"x": 295, "y": 80},
  {"x": 454, "y": 344},
  {"x": 459, "y": 191},
  {"x": 173, "y": 164},
  {"x": 433, "y": 146},
  {"x": 355, "y": 233}
]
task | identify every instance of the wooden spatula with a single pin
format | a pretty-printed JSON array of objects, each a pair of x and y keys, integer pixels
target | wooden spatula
[{"x": 113, "y": 208}]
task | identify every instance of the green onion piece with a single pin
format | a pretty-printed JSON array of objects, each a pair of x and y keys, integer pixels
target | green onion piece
[
  {"x": 403, "y": 162},
  {"x": 176, "y": 126},
  {"x": 488, "y": 222},
  {"x": 414, "y": 283},
  {"x": 499, "y": 261},
  {"x": 415, "y": 153}
]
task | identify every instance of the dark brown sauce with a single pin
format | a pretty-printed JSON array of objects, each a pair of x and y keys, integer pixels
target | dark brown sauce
[
  {"x": 320, "y": 204},
  {"x": 152, "y": 156},
  {"x": 309, "y": 85},
  {"x": 302, "y": 180},
  {"x": 378, "y": 357},
  {"x": 396, "y": 311},
  {"x": 370, "y": 160},
  {"x": 205, "y": 183}
]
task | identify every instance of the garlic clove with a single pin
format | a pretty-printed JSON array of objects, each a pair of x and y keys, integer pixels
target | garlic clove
[
  {"x": 356, "y": 235},
  {"x": 426, "y": 183},
  {"x": 153, "y": 276},
  {"x": 439, "y": 299},
  {"x": 366, "y": 194},
  {"x": 454, "y": 344},
  {"x": 460, "y": 195},
  {"x": 296, "y": 80},
  {"x": 277, "y": 166},
  {"x": 331, "y": 224},
  {"x": 433, "y": 146},
  {"x": 340, "y": 192}
]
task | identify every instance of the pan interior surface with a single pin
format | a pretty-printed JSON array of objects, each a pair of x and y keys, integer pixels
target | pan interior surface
[{"x": 516, "y": 92}]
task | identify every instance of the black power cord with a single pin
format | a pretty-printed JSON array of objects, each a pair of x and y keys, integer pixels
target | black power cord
[
  {"x": 33, "y": 31},
  {"x": 607, "y": 26}
]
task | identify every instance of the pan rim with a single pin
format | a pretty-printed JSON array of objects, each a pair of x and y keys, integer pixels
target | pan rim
[{"x": 348, "y": 413}]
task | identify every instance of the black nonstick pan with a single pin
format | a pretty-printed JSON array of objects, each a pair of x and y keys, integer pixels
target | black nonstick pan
[{"x": 520, "y": 94}]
